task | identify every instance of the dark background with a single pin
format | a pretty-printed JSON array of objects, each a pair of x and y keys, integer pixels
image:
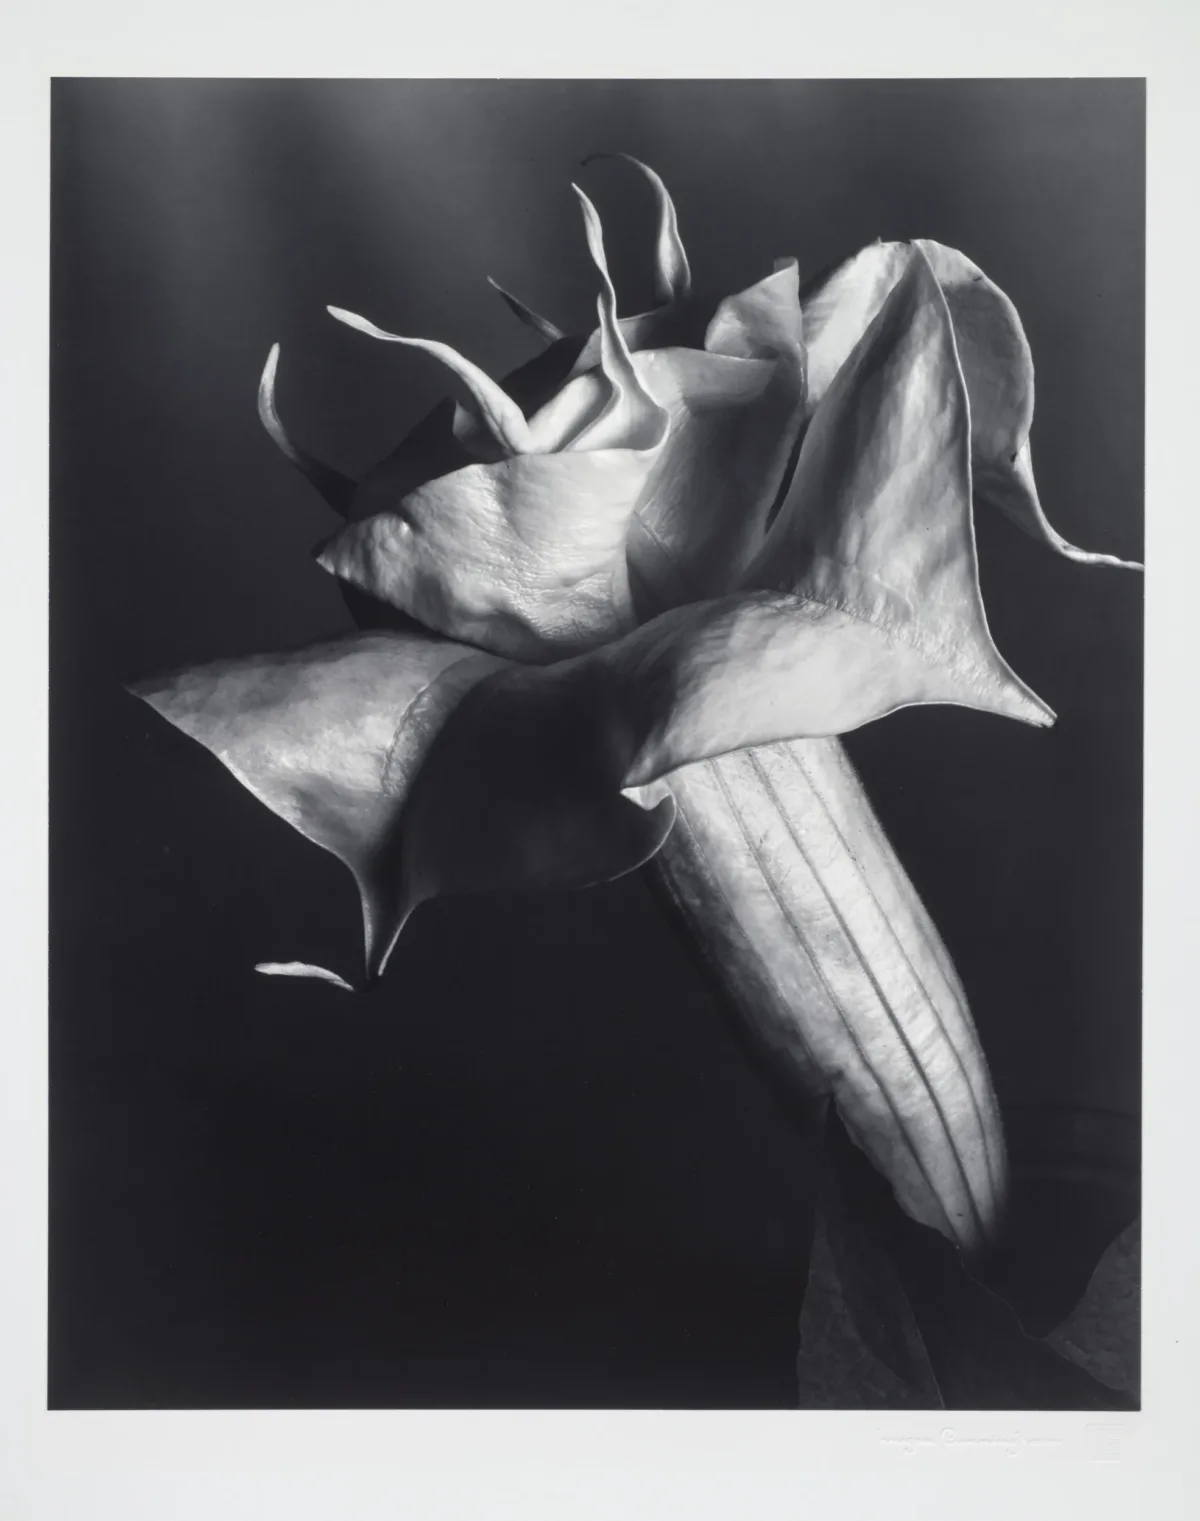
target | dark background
[{"x": 535, "y": 1168}]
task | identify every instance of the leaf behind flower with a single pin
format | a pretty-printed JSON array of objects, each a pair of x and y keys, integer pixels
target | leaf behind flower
[{"x": 895, "y": 1298}]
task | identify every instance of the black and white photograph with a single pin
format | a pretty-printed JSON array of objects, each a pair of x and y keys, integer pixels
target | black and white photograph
[{"x": 596, "y": 744}]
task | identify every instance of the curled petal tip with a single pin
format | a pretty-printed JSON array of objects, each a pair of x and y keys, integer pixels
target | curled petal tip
[
  {"x": 502, "y": 416},
  {"x": 1088, "y": 557},
  {"x": 672, "y": 273},
  {"x": 333, "y": 486}
]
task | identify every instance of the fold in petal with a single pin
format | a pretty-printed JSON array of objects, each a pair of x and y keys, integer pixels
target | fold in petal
[
  {"x": 333, "y": 737},
  {"x": 994, "y": 353},
  {"x": 866, "y": 599},
  {"x": 682, "y": 325},
  {"x": 329, "y": 737},
  {"x": 705, "y": 504},
  {"x": 764, "y": 321},
  {"x": 877, "y": 520},
  {"x": 632, "y": 418},
  {"x": 735, "y": 413}
]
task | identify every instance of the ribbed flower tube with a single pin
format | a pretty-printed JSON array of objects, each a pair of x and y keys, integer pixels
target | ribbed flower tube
[{"x": 782, "y": 872}]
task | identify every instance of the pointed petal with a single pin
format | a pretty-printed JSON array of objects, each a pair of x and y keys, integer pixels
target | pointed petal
[
  {"x": 329, "y": 738},
  {"x": 877, "y": 520},
  {"x": 336, "y": 488},
  {"x": 503, "y": 417},
  {"x": 632, "y": 418},
  {"x": 672, "y": 276},
  {"x": 544, "y": 328},
  {"x": 762, "y": 322},
  {"x": 994, "y": 353}
]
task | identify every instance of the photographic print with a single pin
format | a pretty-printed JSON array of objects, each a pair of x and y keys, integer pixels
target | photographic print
[{"x": 596, "y": 743}]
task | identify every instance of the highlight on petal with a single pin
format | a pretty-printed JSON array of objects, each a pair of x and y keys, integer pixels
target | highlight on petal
[
  {"x": 525, "y": 558},
  {"x": 877, "y": 520},
  {"x": 503, "y": 417},
  {"x": 544, "y": 328},
  {"x": 336, "y": 488},
  {"x": 329, "y": 738},
  {"x": 994, "y": 353},
  {"x": 762, "y": 322},
  {"x": 866, "y": 599},
  {"x": 814, "y": 932},
  {"x": 672, "y": 276},
  {"x": 570, "y": 745}
]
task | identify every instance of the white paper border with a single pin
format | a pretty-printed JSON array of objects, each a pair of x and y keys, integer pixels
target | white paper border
[{"x": 576, "y": 1465}]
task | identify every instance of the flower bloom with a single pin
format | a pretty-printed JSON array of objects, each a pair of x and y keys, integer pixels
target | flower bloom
[{"x": 624, "y": 603}]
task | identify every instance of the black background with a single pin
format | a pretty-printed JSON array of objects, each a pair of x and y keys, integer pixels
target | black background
[{"x": 535, "y": 1168}]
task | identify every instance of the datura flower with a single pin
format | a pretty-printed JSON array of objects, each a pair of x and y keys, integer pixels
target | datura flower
[{"x": 617, "y": 611}]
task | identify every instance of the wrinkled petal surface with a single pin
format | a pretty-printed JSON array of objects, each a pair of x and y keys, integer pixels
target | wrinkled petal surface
[
  {"x": 871, "y": 602},
  {"x": 524, "y": 557}
]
